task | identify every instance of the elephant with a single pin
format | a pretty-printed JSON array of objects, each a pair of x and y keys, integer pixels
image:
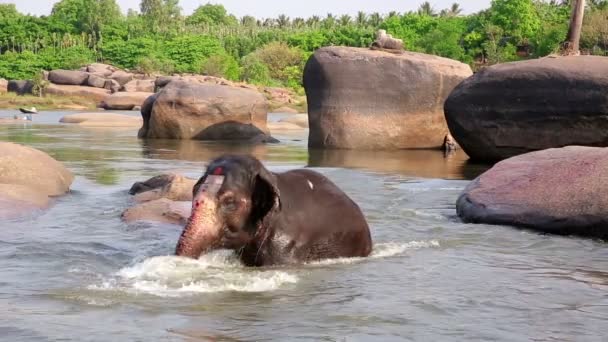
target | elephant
[{"x": 272, "y": 219}]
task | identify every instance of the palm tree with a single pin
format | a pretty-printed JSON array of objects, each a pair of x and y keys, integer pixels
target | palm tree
[
  {"x": 361, "y": 19},
  {"x": 454, "y": 10},
  {"x": 313, "y": 21},
  {"x": 268, "y": 22},
  {"x": 571, "y": 46},
  {"x": 375, "y": 19},
  {"x": 248, "y": 21},
  {"x": 298, "y": 22},
  {"x": 283, "y": 21},
  {"x": 426, "y": 9},
  {"x": 345, "y": 20},
  {"x": 329, "y": 21}
]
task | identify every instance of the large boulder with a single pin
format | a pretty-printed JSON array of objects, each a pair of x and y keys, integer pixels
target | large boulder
[
  {"x": 513, "y": 108},
  {"x": 3, "y": 85},
  {"x": 124, "y": 100},
  {"x": 366, "y": 99},
  {"x": 562, "y": 191},
  {"x": 122, "y": 77},
  {"x": 102, "y": 120},
  {"x": 96, "y": 81},
  {"x": 183, "y": 110},
  {"x": 96, "y": 94},
  {"x": 103, "y": 70},
  {"x": 68, "y": 77},
  {"x": 23, "y": 165},
  {"x": 146, "y": 86},
  {"x": 21, "y": 87}
]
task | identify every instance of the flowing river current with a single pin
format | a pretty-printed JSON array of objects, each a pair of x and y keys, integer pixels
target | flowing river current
[{"x": 78, "y": 273}]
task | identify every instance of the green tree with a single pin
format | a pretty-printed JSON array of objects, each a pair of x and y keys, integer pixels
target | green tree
[
  {"x": 160, "y": 15},
  {"x": 211, "y": 14},
  {"x": 518, "y": 19}
]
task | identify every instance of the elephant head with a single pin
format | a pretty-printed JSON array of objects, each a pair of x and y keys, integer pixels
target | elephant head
[{"x": 230, "y": 203}]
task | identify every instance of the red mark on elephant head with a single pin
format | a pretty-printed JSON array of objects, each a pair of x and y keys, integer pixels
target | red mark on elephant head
[{"x": 218, "y": 171}]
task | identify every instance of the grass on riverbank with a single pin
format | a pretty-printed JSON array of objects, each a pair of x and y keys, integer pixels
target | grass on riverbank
[{"x": 14, "y": 101}]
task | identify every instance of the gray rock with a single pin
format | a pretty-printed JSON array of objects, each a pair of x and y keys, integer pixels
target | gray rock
[
  {"x": 513, "y": 108},
  {"x": 21, "y": 87},
  {"x": 68, "y": 77}
]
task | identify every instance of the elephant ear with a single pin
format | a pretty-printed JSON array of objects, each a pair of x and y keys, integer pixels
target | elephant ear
[{"x": 265, "y": 196}]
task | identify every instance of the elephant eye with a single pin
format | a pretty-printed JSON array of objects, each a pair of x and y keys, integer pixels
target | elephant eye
[{"x": 228, "y": 202}]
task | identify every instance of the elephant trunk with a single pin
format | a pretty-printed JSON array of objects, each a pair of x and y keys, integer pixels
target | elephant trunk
[{"x": 203, "y": 229}]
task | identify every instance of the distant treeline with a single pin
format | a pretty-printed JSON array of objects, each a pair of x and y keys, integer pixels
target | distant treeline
[{"x": 272, "y": 51}]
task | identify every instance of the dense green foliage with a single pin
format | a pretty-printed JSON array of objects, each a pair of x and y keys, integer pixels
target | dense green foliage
[{"x": 159, "y": 39}]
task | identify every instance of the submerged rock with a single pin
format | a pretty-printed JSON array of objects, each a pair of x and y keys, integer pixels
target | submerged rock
[
  {"x": 561, "y": 191},
  {"x": 170, "y": 186},
  {"x": 365, "y": 99},
  {"x": 102, "y": 120},
  {"x": 513, "y": 108},
  {"x": 164, "y": 198},
  {"x": 161, "y": 210}
]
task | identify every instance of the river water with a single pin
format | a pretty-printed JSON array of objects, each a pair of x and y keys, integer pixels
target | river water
[{"x": 78, "y": 273}]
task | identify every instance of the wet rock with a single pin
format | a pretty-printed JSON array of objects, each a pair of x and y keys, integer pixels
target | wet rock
[
  {"x": 21, "y": 87},
  {"x": 102, "y": 120},
  {"x": 364, "y": 99},
  {"x": 22, "y": 165},
  {"x": 170, "y": 186},
  {"x": 96, "y": 94},
  {"x": 3, "y": 85},
  {"x": 124, "y": 100},
  {"x": 18, "y": 201},
  {"x": 513, "y": 108},
  {"x": 68, "y": 77},
  {"x": 146, "y": 86},
  {"x": 183, "y": 110},
  {"x": 96, "y": 81},
  {"x": 561, "y": 191},
  {"x": 161, "y": 210}
]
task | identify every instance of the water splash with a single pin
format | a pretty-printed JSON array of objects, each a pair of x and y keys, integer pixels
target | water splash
[
  {"x": 221, "y": 271},
  {"x": 170, "y": 276},
  {"x": 383, "y": 250}
]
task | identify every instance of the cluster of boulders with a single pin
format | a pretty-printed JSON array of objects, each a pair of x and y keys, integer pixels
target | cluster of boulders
[
  {"x": 29, "y": 178},
  {"x": 546, "y": 120},
  {"x": 112, "y": 87}
]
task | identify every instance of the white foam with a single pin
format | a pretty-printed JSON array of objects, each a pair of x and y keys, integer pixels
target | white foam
[
  {"x": 221, "y": 271},
  {"x": 170, "y": 276},
  {"x": 383, "y": 250}
]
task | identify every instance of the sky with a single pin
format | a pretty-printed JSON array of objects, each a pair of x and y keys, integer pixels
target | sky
[{"x": 272, "y": 8}]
